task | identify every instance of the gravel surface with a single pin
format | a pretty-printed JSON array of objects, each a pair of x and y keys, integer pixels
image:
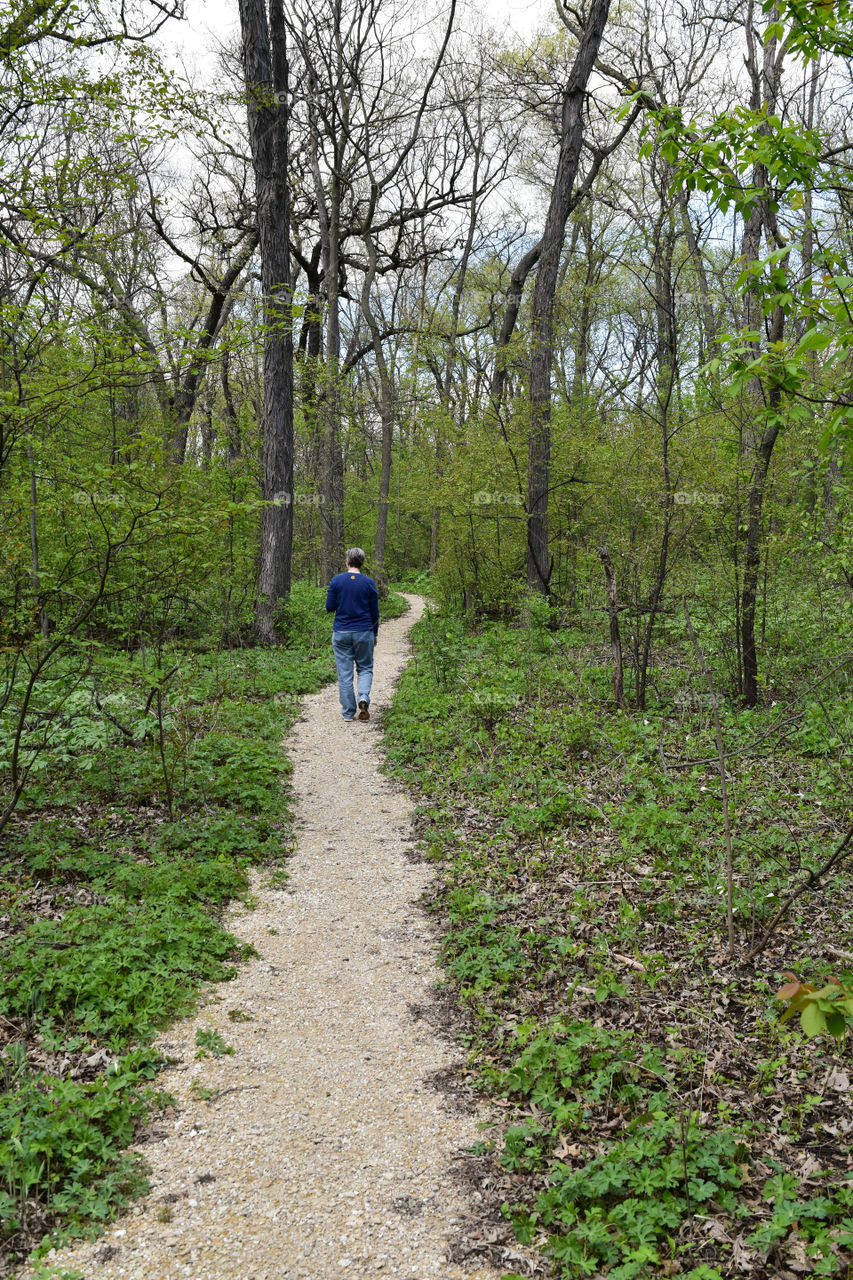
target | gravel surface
[{"x": 327, "y": 1152}]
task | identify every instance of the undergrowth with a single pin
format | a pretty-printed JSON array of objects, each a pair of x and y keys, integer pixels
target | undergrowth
[
  {"x": 661, "y": 1119},
  {"x": 143, "y": 819}
]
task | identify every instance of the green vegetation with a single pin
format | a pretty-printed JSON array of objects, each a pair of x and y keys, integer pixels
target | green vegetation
[
  {"x": 210, "y": 1043},
  {"x": 662, "y": 1119},
  {"x": 141, "y": 823},
  {"x": 560, "y": 323}
]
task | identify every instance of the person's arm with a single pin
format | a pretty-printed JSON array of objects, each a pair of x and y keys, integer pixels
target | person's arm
[
  {"x": 374, "y": 613},
  {"x": 332, "y": 598}
]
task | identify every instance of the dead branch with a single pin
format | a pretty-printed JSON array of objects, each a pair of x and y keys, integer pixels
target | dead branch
[{"x": 812, "y": 881}]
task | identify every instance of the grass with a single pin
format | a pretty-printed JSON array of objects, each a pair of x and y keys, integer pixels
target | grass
[
  {"x": 118, "y": 867},
  {"x": 661, "y": 1120}
]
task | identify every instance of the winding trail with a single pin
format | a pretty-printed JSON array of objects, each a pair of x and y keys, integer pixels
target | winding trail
[{"x": 327, "y": 1153}]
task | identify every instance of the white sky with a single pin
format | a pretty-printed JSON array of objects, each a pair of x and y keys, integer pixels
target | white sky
[
  {"x": 208, "y": 23},
  {"x": 219, "y": 19}
]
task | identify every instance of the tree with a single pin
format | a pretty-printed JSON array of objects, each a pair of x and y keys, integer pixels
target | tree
[
  {"x": 544, "y": 289},
  {"x": 785, "y": 162},
  {"x": 266, "y": 75},
  {"x": 365, "y": 107}
]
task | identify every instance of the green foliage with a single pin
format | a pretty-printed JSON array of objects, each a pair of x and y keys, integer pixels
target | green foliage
[
  {"x": 229, "y": 770},
  {"x": 417, "y": 580},
  {"x": 618, "y": 1214},
  {"x": 811, "y": 29},
  {"x": 138, "y": 852},
  {"x": 123, "y": 970},
  {"x": 750, "y": 159},
  {"x": 64, "y": 1140},
  {"x": 824, "y": 1010},
  {"x": 817, "y": 1224},
  {"x": 210, "y": 1043},
  {"x": 568, "y": 1067},
  {"x": 580, "y": 856},
  {"x": 478, "y": 952},
  {"x": 395, "y": 605}
]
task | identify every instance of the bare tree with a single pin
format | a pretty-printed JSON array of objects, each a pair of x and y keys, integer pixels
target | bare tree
[
  {"x": 542, "y": 309},
  {"x": 365, "y": 110}
]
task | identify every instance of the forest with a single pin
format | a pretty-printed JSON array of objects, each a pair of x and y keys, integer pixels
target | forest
[{"x": 560, "y": 330}]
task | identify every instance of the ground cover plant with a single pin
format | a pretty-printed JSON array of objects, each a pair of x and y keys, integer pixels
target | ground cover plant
[
  {"x": 141, "y": 822},
  {"x": 663, "y": 1118},
  {"x": 592, "y": 310}
]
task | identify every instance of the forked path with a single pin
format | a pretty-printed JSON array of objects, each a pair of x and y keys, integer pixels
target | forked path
[{"x": 327, "y": 1152}]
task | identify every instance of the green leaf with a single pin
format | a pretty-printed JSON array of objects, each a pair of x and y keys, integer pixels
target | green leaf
[
  {"x": 836, "y": 1025},
  {"x": 813, "y": 1020}
]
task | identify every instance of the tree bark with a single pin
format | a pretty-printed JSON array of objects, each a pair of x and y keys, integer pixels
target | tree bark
[
  {"x": 514, "y": 295},
  {"x": 35, "y": 578},
  {"x": 752, "y": 557},
  {"x": 544, "y": 290},
  {"x": 387, "y": 411},
  {"x": 708, "y": 331},
  {"x": 266, "y": 74},
  {"x": 615, "y": 637},
  {"x": 666, "y": 360},
  {"x": 759, "y": 442},
  {"x": 329, "y": 218},
  {"x": 231, "y": 416},
  {"x": 333, "y": 461}
]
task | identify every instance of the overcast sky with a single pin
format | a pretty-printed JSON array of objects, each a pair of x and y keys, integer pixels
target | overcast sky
[{"x": 219, "y": 18}]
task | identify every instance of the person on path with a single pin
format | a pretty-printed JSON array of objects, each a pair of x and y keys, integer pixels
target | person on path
[{"x": 354, "y": 600}]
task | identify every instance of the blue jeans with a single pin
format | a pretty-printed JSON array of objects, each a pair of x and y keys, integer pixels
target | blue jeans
[{"x": 353, "y": 647}]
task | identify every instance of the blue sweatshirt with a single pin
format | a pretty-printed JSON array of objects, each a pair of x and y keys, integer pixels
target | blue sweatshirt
[{"x": 354, "y": 600}]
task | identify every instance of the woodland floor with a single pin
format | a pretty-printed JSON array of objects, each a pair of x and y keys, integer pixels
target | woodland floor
[
  {"x": 647, "y": 1113},
  {"x": 316, "y": 1140},
  {"x": 662, "y": 1121}
]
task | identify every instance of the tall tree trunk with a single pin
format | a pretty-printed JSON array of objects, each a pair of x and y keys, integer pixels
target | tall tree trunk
[
  {"x": 333, "y": 462},
  {"x": 707, "y": 332},
  {"x": 759, "y": 441},
  {"x": 266, "y": 74},
  {"x": 387, "y": 409},
  {"x": 453, "y": 352},
  {"x": 186, "y": 395},
  {"x": 514, "y": 295},
  {"x": 752, "y": 561},
  {"x": 666, "y": 360},
  {"x": 386, "y": 414},
  {"x": 542, "y": 312}
]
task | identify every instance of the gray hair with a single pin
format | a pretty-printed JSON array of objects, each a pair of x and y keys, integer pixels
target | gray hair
[{"x": 355, "y": 557}]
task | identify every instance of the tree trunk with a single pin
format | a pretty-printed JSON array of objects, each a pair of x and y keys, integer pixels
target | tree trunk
[
  {"x": 759, "y": 441},
  {"x": 666, "y": 360},
  {"x": 186, "y": 395},
  {"x": 752, "y": 564},
  {"x": 35, "y": 578},
  {"x": 266, "y": 74},
  {"x": 231, "y": 418},
  {"x": 333, "y": 462},
  {"x": 542, "y": 313},
  {"x": 387, "y": 411},
  {"x": 707, "y": 332},
  {"x": 514, "y": 295},
  {"x": 615, "y": 637}
]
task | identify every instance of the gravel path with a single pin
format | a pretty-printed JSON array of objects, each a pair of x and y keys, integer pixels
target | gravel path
[{"x": 328, "y": 1153}]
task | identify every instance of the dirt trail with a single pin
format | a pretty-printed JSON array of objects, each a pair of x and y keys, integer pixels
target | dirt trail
[{"x": 328, "y": 1153}]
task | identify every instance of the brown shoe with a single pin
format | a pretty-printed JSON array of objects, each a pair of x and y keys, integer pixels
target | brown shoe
[{"x": 363, "y": 713}]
